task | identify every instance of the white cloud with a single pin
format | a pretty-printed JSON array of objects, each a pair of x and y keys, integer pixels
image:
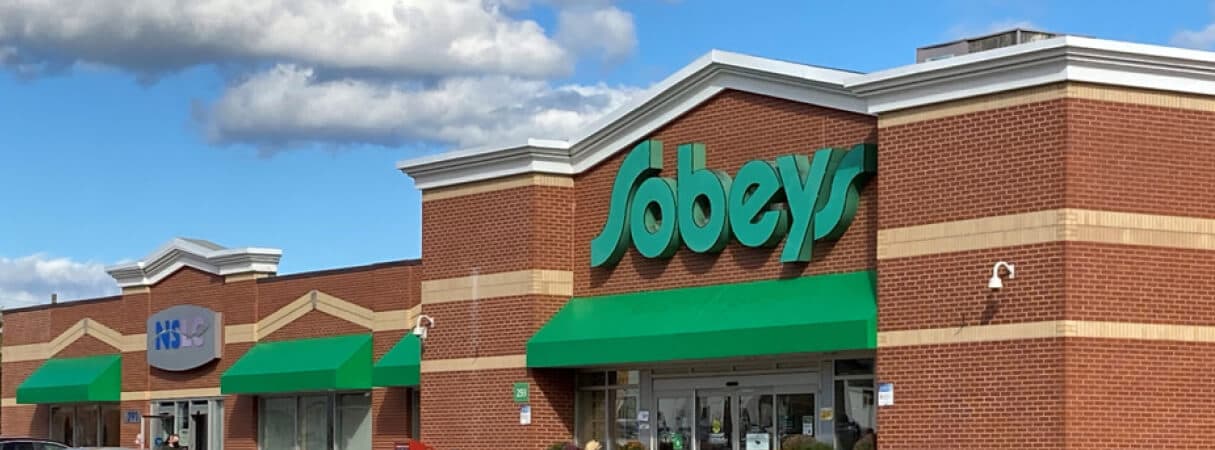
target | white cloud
[
  {"x": 290, "y": 105},
  {"x": 307, "y": 72},
  {"x": 1200, "y": 39},
  {"x": 30, "y": 280},
  {"x": 414, "y": 37},
  {"x": 607, "y": 29}
]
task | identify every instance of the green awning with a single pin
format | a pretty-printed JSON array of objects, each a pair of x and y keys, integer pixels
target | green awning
[
  {"x": 797, "y": 315},
  {"x": 401, "y": 365},
  {"x": 74, "y": 380},
  {"x": 302, "y": 365}
]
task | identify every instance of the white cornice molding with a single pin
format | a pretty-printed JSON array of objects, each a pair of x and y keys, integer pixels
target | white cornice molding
[
  {"x": 674, "y": 96},
  {"x": 1065, "y": 58},
  {"x": 201, "y": 255}
]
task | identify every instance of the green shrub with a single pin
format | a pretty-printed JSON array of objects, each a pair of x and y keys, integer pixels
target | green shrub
[
  {"x": 563, "y": 446},
  {"x": 632, "y": 445},
  {"x": 803, "y": 442}
]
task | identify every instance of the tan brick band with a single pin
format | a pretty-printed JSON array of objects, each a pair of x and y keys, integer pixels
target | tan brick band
[
  {"x": 473, "y": 364},
  {"x": 1048, "y": 329},
  {"x": 1077, "y": 225},
  {"x": 504, "y": 284},
  {"x": 498, "y": 185},
  {"x": 251, "y": 332},
  {"x": 1085, "y": 91}
]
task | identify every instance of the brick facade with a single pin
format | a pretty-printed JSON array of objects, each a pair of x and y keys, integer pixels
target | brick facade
[
  {"x": 1095, "y": 329},
  {"x": 1065, "y": 392},
  {"x": 382, "y": 287}
]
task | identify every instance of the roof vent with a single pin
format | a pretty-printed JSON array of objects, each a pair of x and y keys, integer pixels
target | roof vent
[{"x": 977, "y": 44}]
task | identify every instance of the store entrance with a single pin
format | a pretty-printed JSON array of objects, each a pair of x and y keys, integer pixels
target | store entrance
[
  {"x": 738, "y": 413},
  {"x": 193, "y": 424}
]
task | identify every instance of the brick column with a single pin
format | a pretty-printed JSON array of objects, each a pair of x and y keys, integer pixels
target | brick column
[
  {"x": 962, "y": 186},
  {"x": 497, "y": 265}
]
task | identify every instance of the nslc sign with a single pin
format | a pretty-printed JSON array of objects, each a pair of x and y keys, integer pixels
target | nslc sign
[
  {"x": 184, "y": 337},
  {"x": 796, "y": 198}
]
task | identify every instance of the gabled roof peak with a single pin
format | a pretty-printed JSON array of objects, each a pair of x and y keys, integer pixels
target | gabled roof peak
[{"x": 200, "y": 254}]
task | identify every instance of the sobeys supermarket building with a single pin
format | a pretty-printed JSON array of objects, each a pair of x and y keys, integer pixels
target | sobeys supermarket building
[{"x": 1006, "y": 248}]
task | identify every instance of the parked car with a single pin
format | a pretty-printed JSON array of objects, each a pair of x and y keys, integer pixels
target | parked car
[{"x": 21, "y": 443}]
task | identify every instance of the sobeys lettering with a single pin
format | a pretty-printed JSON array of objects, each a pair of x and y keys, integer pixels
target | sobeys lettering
[{"x": 797, "y": 198}]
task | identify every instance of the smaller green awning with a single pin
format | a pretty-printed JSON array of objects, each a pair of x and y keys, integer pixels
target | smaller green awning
[
  {"x": 401, "y": 365},
  {"x": 74, "y": 380},
  {"x": 302, "y": 365},
  {"x": 772, "y": 317}
]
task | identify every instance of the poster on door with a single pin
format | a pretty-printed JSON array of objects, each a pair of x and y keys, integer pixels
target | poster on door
[{"x": 758, "y": 441}]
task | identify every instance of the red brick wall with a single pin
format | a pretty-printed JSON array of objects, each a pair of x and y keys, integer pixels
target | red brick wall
[
  {"x": 1004, "y": 394},
  {"x": 472, "y": 410},
  {"x": 1135, "y": 158},
  {"x": 1135, "y": 394},
  {"x": 498, "y": 231},
  {"x": 390, "y": 414},
  {"x": 1056, "y": 393},
  {"x": 991, "y": 395},
  {"x": 982, "y": 164},
  {"x": 497, "y": 326},
  {"x": 735, "y": 127},
  {"x": 950, "y": 289}
]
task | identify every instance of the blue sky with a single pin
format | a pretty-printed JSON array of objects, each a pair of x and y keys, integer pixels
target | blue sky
[{"x": 112, "y": 142}]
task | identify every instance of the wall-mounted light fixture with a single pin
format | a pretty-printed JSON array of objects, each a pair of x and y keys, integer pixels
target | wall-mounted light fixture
[
  {"x": 995, "y": 283},
  {"x": 419, "y": 329}
]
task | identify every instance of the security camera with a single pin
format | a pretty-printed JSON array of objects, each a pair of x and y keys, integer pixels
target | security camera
[
  {"x": 995, "y": 283},
  {"x": 420, "y": 330}
]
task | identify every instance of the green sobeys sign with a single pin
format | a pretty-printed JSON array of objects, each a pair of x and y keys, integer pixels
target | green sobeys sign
[{"x": 704, "y": 207}]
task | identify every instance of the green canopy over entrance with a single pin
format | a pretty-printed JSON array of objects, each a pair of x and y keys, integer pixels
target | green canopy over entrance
[
  {"x": 401, "y": 365},
  {"x": 316, "y": 364},
  {"x": 771, "y": 317},
  {"x": 74, "y": 380}
]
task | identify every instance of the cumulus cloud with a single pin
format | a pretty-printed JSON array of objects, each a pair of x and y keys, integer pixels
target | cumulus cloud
[
  {"x": 607, "y": 30},
  {"x": 30, "y": 280},
  {"x": 416, "y": 37},
  {"x": 307, "y": 72},
  {"x": 1203, "y": 39},
  {"x": 290, "y": 105}
]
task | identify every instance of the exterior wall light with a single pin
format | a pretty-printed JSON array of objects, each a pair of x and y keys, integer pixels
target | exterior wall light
[
  {"x": 995, "y": 283},
  {"x": 420, "y": 330}
]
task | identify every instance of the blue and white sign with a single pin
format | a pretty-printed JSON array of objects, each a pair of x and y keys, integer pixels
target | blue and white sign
[
  {"x": 184, "y": 337},
  {"x": 132, "y": 416},
  {"x": 885, "y": 394}
]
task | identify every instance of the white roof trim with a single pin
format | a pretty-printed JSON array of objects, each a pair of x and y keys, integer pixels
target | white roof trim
[
  {"x": 201, "y": 255},
  {"x": 687, "y": 88},
  {"x": 1064, "y": 58}
]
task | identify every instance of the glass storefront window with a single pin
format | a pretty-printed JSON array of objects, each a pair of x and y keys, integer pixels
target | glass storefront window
[
  {"x": 794, "y": 416},
  {"x": 855, "y": 413},
  {"x": 316, "y": 422},
  {"x": 625, "y": 406},
  {"x": 674, "y": 423},
  {"x": 354, "y": 422},
  {"x": 277, "y": 419},
  {"x": 714, "y": 422},
  {"x": 607, "y": 404},
  {"x": 88, "y": 421},
  {"x": 86, "y": 425},
  {"x": 592, "y": 416},
  {"x": 63, "y": 423}
]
